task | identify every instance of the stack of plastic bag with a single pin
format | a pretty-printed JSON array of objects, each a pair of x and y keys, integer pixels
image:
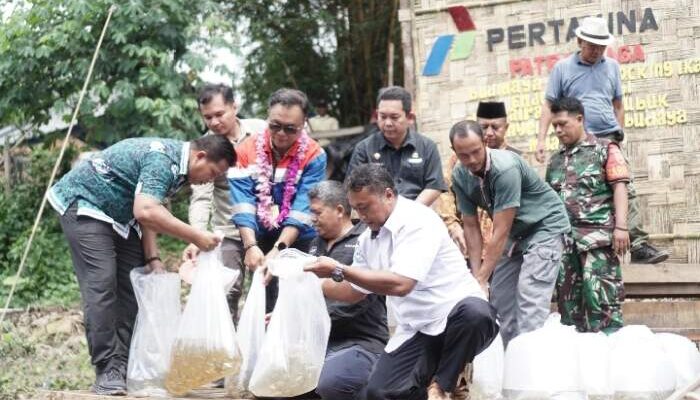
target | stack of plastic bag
[
  {"x": 640, "y": 369},
  {"x": 684, "y": 356},
  {"x": 292, "y": 354},
  {"x": 487, "y": 381},
  {"x": 205, "y": 347},
  {"x": 158, "y": 298},
  {"x": 543, "y": 364},
  {"x": 594, "y": 356}
]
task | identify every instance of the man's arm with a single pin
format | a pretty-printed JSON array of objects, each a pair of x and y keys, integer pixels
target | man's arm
[
  {"x": 153, "y": 216},
  {"x": 619, "y": 108},
  {"x": 621, "y": 237},
  {"x": 428, "y": 196},
  {"x": 502, "y": 222},
  {"x": 545, "y": 120},
  {"x": 150, "y": 250},
  {"x": 379, "y": 282},
  {"x": 341, "y": 291},
  {"x": 199, "y": 213},
  {"x": 472, "y": 235}
]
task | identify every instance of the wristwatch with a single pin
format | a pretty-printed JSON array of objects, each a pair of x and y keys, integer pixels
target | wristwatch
[
  {"x": 337, "y": 274},
  {"x": 281, "y": 246}
]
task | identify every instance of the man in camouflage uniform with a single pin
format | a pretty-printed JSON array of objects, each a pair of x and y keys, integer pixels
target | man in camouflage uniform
[{"x": 591, "y": 177}]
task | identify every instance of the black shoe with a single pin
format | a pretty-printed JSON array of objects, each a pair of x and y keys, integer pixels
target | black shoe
[
  {"x": 110, "y": 383},
  {"x": 647, "y": 254}
]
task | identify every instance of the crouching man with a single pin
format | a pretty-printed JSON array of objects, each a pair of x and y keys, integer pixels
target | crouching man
[{"x": 443, "y": 319}]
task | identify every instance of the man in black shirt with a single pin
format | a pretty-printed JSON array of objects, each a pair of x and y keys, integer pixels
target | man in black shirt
[
  {"x": 411, "y": 158},
  {"x": 358, "y": 331}
]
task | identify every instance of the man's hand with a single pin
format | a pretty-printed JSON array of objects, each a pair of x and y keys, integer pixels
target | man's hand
[
  {"x": 156, "y": 267},
  {"x": 191, "y": 252},
  {"x": 323, "y": 267},
  {"x": 254, "y": 258},
  {"x": 207, "y": 241},
  {"x": 621, "y": 241},
  {"x": 457, "y": 235},
  {"x": 539, "y": 151}
]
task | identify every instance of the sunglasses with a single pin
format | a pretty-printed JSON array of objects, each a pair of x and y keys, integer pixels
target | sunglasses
[{"x": 287, "y": 129}]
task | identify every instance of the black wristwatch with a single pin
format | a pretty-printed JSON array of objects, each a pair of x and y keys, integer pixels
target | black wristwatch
[
  {"x": 281, "y": 246},
  {"x": 337, "y": 275}
]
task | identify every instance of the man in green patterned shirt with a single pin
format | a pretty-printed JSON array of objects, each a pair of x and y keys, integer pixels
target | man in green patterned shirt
[{"x": 111, "y": 209}]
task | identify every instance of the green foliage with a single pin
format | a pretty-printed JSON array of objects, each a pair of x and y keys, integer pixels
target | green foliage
[
  {"x": 48, "y": 277},
  {"x": 334, "y": 49},
  {"x": 145, "y": 76}
]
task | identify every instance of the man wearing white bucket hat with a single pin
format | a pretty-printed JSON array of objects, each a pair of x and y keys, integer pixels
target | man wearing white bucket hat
[{"x": 594, "y": 80}]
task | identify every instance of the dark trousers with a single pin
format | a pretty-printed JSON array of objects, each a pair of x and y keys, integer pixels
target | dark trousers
[
  {"x": 406, "y": 372},
  {"x": 102, "y": 261}
]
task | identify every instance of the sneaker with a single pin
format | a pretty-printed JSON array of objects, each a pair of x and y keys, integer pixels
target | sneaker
[
  {"x": 110, "y": 383},
  {"x": 646, "y": 254}
]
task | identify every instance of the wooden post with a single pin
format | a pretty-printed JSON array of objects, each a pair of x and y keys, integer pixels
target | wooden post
[
  {"x": 405, "y": 18},
  {"x": 8, "y": 164},
  {"x": 390, "y": 66}
]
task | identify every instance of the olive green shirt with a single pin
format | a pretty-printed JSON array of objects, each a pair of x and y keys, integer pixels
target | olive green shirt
[{"x": 509, "y": 182}]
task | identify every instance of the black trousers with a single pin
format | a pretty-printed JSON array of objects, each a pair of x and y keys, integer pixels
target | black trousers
[
  {"x": 406, "y": 372},
  {"x": 102, "y": 261}
]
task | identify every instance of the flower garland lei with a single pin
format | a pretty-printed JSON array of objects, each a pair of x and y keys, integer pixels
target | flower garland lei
[{"x": 265, "y": 181}]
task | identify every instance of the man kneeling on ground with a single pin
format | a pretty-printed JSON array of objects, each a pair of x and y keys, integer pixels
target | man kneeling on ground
[{"x": 443, "y": 319}]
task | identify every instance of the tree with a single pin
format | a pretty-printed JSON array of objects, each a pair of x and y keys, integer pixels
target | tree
[
  {"x": 144, "y": 80},
  {"x": 332, "y": 49}
]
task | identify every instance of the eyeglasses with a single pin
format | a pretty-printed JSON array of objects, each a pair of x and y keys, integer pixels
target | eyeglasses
[{"x": 287, "y": 129}]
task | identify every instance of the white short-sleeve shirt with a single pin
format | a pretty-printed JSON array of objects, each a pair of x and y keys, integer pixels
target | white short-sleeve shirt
[{"x": 414, "y": 243}]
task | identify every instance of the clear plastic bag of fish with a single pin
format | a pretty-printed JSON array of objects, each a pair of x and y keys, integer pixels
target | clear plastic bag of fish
[
  {"x": 294, "y": 348},
  {"x": 158, "y": 298}
]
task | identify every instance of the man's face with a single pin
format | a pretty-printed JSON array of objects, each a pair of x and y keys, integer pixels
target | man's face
[
  {"x": 569, "y": 128},
  {"x": 392, "y": 119},
  {"x": 373, "y": 209},
  {"x": 202, "y": 170},
  {"x": 494, "y": 131},
  {"x": 327, "y": 220},
  {"x": 321, "y": 110},
  {"x": 285, "y": 125},
  {"x": 471, "y": 152},
  {"x": 219, "y": 116},
  {"x": 591, "y": 53}
]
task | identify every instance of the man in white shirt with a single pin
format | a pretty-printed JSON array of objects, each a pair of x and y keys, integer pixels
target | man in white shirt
[
  {"x": 443, "y": 320},
  {"x": 323, "y": 121}
]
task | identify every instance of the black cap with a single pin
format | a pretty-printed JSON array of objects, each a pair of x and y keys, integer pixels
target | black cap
[
  {"x": 491, "y": 109},
  {"x": 321, "y": 103}
]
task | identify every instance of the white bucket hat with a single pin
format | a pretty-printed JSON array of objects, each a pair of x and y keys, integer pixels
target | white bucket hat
[{"x": 594, "y": 30}]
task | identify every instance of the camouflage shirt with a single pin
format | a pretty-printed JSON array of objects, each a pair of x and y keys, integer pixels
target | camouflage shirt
[
  {"x": 106, "y": 184},
  {"x": 583, "y": 175}
]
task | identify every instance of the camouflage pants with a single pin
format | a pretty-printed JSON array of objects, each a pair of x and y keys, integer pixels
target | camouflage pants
[
  {"x": 590, "y": 291},
  {"x": 638, "y": 235}
]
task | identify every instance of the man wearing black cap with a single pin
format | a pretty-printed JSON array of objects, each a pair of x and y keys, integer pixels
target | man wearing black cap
[
  {"x": 492, "y": 117},
  {"x": 323, "y": 121}
]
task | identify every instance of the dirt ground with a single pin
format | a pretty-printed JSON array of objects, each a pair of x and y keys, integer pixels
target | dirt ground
[{"x": 43, "y": 349}]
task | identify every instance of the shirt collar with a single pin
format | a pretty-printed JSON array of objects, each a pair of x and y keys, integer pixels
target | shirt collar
[
  {"x": 587, "y": 141},
  {"x": 184, "y": 158},
  {"x": 410, "y": 139},
  {"x": 577, "y": 57},
  {"x": 396, "y": 219}
]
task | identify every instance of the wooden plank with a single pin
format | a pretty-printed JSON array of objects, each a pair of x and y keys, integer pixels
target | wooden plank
[
  {"x": 661, "y": 273},
  {"x": 355, "y": 130},
  {"x": 665, "y": 315},
  {"x": 87, "y": 395},
  {"x": 651, "y": 290}
]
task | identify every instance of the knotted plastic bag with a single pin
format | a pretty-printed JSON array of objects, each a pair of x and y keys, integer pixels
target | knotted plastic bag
[
  {"x": 294, "y": 348},
  {"x": 487, "y": 381},
  {"x": 205, "y": 347},
  {"x": 158, "y": 298},
  {"x": 251, "y": 331},
  {"x": 544, "y": 364}
]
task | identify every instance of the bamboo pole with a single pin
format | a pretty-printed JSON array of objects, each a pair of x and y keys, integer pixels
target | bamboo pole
[{"x": 8, "y": 165}]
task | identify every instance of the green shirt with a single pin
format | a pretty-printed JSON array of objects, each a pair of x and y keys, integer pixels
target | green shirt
[
  {"x": 509, "y": 182},
  {"x": 106, "y": 184}
]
